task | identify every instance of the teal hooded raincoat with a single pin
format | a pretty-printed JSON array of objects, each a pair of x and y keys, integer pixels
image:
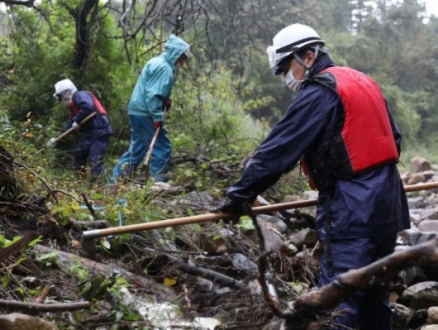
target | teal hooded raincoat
[
  {"x": 147, "y": 105},
  {"x": 156, "y": 80}
]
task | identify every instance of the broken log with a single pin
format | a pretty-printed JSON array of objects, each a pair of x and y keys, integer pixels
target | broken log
[
  {"x": 68, "y": 260},
  {"x": 307, "y": 306}
]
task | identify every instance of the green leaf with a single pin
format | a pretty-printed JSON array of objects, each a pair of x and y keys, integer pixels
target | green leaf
[
  {"x": 197, "y": 228},
  {"x": 133, "y": 317},
  {"x": 245, "y": 223},
  {"x": 106, "y": 244},
  {"x": 50, "y": 255},
  {"x": 298, "y": 287},
  {"x": 5, "y": 280},
  {"x": 96, "y": 196},
  {"x": 37, "y": 240}
]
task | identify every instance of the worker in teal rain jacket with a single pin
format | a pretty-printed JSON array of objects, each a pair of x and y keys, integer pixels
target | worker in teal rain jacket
[{"x": 149, "y": 101}]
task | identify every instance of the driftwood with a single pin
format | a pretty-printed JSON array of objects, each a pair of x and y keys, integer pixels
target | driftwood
[
  {"x": 69, "y": 260},
  {"x": 11, "y": 304},
  {"x": 306, "y": 307}
]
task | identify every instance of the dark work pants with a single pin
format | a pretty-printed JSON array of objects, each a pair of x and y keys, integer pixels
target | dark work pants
[
  {"x": 367, "y": 309},
  {"x": 92, "y": 149}
]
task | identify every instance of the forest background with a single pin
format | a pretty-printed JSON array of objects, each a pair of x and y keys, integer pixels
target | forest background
[{"x": 225, "y": 102}]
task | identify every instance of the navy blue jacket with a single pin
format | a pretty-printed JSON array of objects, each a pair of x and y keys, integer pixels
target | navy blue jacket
[
  {"x": 370, "y": 204},
  {"x": 95, "y": 127}
]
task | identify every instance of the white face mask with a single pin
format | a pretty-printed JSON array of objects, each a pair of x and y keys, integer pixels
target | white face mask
[
  {"x": 66, "y": 98},
  {"x": 291, "y": 82}
]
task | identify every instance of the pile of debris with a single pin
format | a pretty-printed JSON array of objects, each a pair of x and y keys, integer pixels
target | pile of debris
[{"x": 210, "y": 276}]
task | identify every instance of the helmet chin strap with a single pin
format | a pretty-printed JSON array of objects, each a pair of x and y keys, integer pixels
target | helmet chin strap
[{"x": 306, "y": 73}]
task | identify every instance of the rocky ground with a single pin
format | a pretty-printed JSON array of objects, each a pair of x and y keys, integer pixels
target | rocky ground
[{"x": 209, "y": 275}]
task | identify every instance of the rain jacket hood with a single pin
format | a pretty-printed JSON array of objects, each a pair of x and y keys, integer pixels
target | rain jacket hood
[
  {"x": 155, "y": 83},
  {"x": 175, "y": 47}
]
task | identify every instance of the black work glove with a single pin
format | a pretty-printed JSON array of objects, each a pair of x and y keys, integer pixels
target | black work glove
[{"x": 235, "y": 208}]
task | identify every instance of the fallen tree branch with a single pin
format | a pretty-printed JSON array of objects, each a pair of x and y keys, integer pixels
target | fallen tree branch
[
  {"x": 331, "y": 295},
  {"x": 89, "y": 206},
  {"x": 90, "y": 224},
  {"x": 39, "y": 178},
  {"x": 42, "y": 295},
  {"x": 190, "y": 268},
  {"x": 307, "y": 306},
  {"x": 263, "y": 264},
  {"x": 68, "y": 260},
  {"x": 18, "y": 245},
  {"x": 11, "y": 304}
]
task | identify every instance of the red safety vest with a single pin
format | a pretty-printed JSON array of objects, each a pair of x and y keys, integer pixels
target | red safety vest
[
  {"x": 97, "y": 106},
  {"x": 366, "y": 140}
]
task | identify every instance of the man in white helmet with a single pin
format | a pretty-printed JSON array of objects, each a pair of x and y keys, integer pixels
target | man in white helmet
[
  {"x": 95, "y": 133},
  {"x": 340, "y": 129}
]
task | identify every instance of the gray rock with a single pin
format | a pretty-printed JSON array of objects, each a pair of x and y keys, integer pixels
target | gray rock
[
  {"x": 429, "y": 214},
  {"x": 273, "y": 240},
  {"x": 416, "y": 202},
  {"x": 306, "y": 237},
  {"x": 420, "y": 164},
  {"x": 243, "y": 265},
  {"x": 292, "y": 250},
  {"x": 275, "y": 222},
  {"x": 401, "y": 315},
  {"x": 197, "y": 198},
  {"x": 421, "y": 295},
  {"x": 432, "y": 315},
  {"x": 17, "y": 321},
  {"x": 412, "y": 275},
  {"x": 416, "y": 178},
  {"x": 414, "y": 236},
  {"x": 428, "y": 225}
]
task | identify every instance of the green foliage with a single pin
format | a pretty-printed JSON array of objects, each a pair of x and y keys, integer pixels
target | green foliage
[
  {"x": 38, "y": 59},
  {"x": 222, "y": 105},
  {"x": 80, "y": 273}
]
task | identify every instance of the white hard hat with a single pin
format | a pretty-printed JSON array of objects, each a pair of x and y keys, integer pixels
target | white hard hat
[
  {"x": 64, "y": 85},
  {"x": 289, "y": 40}
]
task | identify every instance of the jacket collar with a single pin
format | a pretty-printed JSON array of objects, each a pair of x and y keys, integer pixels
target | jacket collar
[{"x": 323, "y": 63}]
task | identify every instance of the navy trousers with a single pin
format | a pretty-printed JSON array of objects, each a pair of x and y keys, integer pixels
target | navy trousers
[
  {"x": 92, "y": 149},
  {"x": 367, "y": 309}
]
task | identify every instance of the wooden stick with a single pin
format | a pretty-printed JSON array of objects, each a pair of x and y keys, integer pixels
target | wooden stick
[
  {"x": 71, "y": 129},
  {"x": 151, "y": 147},
  {"x": 12, "y": 304},
  {"x": 217, "y": 216}
]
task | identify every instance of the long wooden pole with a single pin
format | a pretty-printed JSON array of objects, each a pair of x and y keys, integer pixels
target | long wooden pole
[
  {"x": 217, "y": 216},
  {"x": 71, "y": 129}
]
